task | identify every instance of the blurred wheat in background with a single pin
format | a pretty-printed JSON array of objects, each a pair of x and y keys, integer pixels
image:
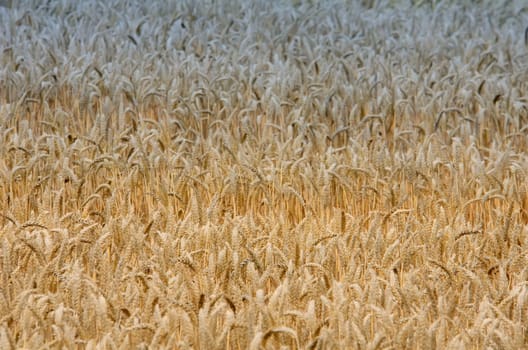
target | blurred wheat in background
[{"x": 263, "y": 174}]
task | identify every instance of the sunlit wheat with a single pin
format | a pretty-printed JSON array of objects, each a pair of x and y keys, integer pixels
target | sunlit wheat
[{"x": 263, "y": 174}]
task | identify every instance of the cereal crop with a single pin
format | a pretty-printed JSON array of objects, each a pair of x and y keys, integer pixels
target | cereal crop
[{"x": 284, "y": 174}]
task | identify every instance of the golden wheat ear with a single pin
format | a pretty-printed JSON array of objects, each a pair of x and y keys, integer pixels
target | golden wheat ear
[{"x": 263, "y": 174}]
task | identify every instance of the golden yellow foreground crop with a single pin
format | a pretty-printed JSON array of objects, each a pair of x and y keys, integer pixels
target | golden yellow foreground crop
[{"x": 263, "y": 175}]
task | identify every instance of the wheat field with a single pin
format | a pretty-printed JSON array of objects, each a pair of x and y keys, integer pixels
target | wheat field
[{"x": 263, "y": 174}]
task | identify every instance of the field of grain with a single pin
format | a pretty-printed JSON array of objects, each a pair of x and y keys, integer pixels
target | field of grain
[{"x": 263, "y": 174}]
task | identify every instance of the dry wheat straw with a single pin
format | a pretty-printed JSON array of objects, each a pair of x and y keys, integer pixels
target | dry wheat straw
[{"x": 261, "y": 175}]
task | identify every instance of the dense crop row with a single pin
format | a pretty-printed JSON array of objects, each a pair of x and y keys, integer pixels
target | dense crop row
[{"x": 258, "y": 174}]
